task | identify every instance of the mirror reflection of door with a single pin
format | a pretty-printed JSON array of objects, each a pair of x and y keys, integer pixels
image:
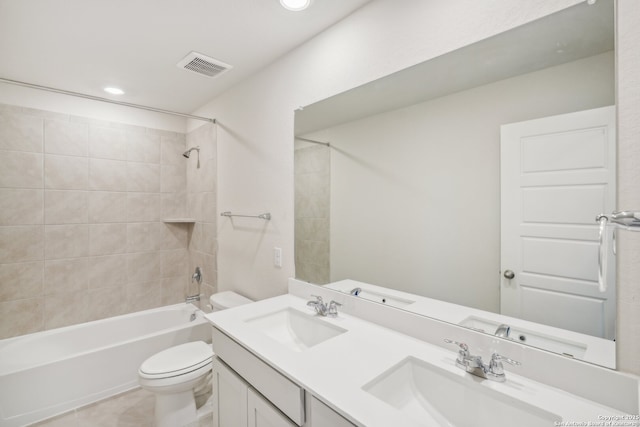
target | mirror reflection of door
[{"x": 557, "y": 174}]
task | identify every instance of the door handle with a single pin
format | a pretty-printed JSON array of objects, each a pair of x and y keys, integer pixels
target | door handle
[{"x": 508, "y": 274}]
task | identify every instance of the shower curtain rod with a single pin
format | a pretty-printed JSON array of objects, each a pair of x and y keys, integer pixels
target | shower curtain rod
[
  {"x": 313, "y": 141},
  {"x": 110, "y": 101}
]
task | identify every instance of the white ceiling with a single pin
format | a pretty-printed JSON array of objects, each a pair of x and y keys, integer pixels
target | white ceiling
[{"x": 85, "y": 45}]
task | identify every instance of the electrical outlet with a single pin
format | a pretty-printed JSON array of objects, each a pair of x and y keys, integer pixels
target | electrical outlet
[{"x": 277, "y": 257}]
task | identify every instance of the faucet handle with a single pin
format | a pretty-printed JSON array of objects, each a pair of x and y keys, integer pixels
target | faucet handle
[
  {"x": 317, "y": 297},
  {"x": 501, "y": 358},
  {"x": 463, "y": 346},
  {"x": 333, "y": 308},
  {"x": 495, "y": 366}
]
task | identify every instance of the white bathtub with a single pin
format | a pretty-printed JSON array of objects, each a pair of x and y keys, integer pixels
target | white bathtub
[{"x": 51, "y": 372}]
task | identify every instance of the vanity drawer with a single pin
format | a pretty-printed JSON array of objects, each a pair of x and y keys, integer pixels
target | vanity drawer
[{"x": 282, "y": 392}]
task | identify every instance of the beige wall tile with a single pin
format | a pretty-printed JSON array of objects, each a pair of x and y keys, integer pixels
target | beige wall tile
[
  {"x": 174, "y": 205},
  {"x": 68, "y": 221},
  {"x": 208, "y": 238},
  {"x": 21, "y": 132},
  {"x": 175, "y": 263},
  {"x": 312, "y": 228},
  {"x": 175, "y": 236},
  {"x": 65, "y": 308},
  {"x": 21, "y": 206},
  {"x": 143, "y": 147},
  {"x": 107, "y": 143},
  {"x": 107, "y": 207},
  {"x": 144, "y": 295},
  {"x": 66, "y": 241},
  {"x": 106, "y": 302},
  {"x": 65, "y": 207},
  {"x": 107, "y": 239},
  {"x": 173, "y": 290},
  {"x": 21, "y": 317},
  {"x": 201, "y": 179},
  {"x": 21, "y": 170},
  {"x": 209, "y": 207},
  {"x": 20, "y": 280},
  {"x": 143, "y": 207},
  {"x": 67, "y": 138},
  {"x": 171, "y": 151},
  {"x": 107, "y": 271},
  {"x": 144, "y": 236},
  {"x": 173, "y": 178},
  {"x": 21, "y": 243},
  {"x": 107, "y": 175},
  {"x": 65, "y": 173},
  {"x": 144, "y": 177},
  {"x": 143, "y": 267},
  {"x": 68, "y": 275}
]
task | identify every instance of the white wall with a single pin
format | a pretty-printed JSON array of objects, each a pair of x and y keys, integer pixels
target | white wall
[{"x": 424, "y": 182}]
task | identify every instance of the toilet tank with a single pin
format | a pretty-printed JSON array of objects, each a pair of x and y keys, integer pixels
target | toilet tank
[{"x": 227, "y": 299}]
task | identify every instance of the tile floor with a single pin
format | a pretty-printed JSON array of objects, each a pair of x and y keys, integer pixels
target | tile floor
[{"x": 130, "y": 409}]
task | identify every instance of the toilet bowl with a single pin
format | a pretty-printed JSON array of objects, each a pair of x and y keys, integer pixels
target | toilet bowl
[{"x": 173, "y": 374}]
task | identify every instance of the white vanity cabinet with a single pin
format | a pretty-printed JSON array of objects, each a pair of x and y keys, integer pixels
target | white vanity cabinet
[
  {"x": 230, "y": 397},
  {"x": 283, "y": 393},
  {"x": 248, "y": 392},
  {"x": 323, "y": 416},
  {"x": 239, "y": 405},
  {"x": 262, "y": 413}
]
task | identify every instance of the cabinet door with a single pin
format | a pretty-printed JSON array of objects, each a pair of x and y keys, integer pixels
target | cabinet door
[
  {"x": 261, "y": 413},
  {"x": 230, "y": 397},
  {"x": 323, "y": 416}
]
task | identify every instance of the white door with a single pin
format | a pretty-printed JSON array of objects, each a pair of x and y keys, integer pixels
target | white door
[{"x": 557, "y": 174}]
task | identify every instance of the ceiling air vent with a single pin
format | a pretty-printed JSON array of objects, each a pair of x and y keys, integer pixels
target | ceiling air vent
[{"x": 203, "y": 65}]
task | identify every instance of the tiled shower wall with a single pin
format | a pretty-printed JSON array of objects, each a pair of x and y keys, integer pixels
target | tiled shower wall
[
  {"x": 312, "y": 204},
  {"x": 82, "y": 204},
  {"x": 201, "y": 206}
]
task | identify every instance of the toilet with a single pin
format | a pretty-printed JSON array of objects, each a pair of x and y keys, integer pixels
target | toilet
[{"x": 173, "y": 374}]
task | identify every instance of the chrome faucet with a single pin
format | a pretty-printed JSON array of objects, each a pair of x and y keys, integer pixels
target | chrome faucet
[
  {"x": 473, "y": 364},
  {"x": 192, "y": 298},
  {"x": 197, "y": 276},
  {"x": 322, "y": 308},
  {"x": 503, "y": 331}
]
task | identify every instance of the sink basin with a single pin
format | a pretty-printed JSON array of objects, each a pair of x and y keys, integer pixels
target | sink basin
[
  {"x": 435, "y": 397},
  {"x": 532, "y": 338},
  {"x": 295, "y": 329}
]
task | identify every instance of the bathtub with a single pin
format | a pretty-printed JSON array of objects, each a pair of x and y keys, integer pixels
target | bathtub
[{"x": 51, "y": 372}]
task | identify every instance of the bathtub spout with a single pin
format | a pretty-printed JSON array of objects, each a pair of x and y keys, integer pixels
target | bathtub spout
[{"x": 192, "y": 299}]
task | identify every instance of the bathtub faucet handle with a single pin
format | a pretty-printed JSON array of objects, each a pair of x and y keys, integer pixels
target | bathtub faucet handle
[{"x": 197, "y": 276}]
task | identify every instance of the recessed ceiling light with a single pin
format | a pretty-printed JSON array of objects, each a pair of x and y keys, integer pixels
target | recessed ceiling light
[
  {"x": 295, "y": 5},
  {"x": 114, "y": 90}
]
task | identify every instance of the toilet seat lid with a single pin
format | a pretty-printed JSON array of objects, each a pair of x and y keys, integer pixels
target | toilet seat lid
[{"x": 177, "y": 360}]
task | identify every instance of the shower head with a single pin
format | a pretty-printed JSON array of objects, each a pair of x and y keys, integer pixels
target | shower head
[{"x": 188, "y": 152}]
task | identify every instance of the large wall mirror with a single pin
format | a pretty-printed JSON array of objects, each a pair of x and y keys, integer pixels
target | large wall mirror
[{"x": 401, "y": 183}]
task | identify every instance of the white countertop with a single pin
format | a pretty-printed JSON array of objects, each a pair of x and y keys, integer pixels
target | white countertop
[{"x": 335, "y": 370}]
